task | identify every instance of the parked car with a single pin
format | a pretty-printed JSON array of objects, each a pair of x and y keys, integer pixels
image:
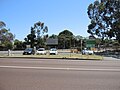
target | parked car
[
  {"x": 41, "y": 51},
  {"x": 53, "y": 51},
  {"x": 29, "y": 51},
  {"x": 87, "y": 52}
]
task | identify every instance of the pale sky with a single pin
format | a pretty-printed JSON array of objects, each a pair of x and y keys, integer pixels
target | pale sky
[{"x": 58, "y": 15}]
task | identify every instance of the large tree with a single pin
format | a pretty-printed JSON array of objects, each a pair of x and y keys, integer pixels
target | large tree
[
  {"x": 37, "y": 35},
  {"x": 40, "y": 29},
  {"x": 105, "y": 18},
  {"x": 6, "y": 37},
  {"x": 2, "y": 24},
  {"x": 65, "y": 39},
  {"x": 31, "y": 38}
]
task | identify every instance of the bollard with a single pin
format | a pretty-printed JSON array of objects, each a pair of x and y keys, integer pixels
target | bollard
[{"x": 9, "y": 52}]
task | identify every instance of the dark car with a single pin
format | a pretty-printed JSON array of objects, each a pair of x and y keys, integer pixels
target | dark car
[{"x": 29, "y": 51}]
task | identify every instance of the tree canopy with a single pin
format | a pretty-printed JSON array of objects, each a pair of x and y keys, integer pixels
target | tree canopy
[
  {"x": 37, "y": 35},
  {"x": 2, "y": 24},
  {"x": 64, "y": 39},
  {"x": 6, "y": 37},
  {"x": 105, "y": 18}
]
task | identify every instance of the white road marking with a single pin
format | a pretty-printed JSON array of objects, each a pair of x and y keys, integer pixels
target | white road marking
[{"x": 57, "y": 68}]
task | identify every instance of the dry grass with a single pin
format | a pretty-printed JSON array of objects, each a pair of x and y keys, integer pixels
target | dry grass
[{"x": 61, "y": 56}]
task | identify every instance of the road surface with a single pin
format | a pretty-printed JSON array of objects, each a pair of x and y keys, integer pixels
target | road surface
[{"x": 45, "y": 74}]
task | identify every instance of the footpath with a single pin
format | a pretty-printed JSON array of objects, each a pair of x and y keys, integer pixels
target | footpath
[{"x": 110, "y": 58}]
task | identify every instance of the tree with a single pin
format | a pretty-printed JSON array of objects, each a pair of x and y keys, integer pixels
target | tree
[
  {"x": 65, "y": 39},
  {"x": 18, "y": 45},
  {"x": 37, "y": 35},
  {"x": 53, "y": 36},
  {"x": 105, "y": 18},
  {"x": 31, "y": 38},
  {"x": 2, "y": 24},
  {"x": 40, "y": 28},
  {"x": 79, "y": 42},
  {"x": 6, "y": 37}
]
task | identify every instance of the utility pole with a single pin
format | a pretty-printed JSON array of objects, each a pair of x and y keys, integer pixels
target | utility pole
[{"x": 81, "y": 45}]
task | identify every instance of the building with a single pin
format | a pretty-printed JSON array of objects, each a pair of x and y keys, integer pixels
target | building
[{"x": 52, "y": 43}]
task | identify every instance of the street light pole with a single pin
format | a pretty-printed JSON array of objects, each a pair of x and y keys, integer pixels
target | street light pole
[{"x": 81, "y": 45}]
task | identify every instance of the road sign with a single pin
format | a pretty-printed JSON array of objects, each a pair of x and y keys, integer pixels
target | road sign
[{"x": 90, "y": 43}]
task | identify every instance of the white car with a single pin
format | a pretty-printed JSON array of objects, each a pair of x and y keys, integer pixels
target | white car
[
  {"x": 53, "y": 51},
  {"x": 87, "y": 52},
  {"x": 41, "y": 51}
]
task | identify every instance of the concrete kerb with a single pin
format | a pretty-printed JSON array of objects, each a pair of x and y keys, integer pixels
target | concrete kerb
[{"x": 63, "y": 58}]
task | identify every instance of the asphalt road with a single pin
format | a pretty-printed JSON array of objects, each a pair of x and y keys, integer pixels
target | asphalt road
[{"x": 42, "y": 74}]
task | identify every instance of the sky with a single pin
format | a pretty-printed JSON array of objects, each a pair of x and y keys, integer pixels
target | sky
[{"x": 58, "y": 15}]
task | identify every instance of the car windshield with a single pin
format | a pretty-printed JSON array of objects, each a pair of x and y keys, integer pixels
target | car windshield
[
  {"x": 53, "y": 49},
  {"x": 28, "y": 49},
  {"x": 41, "y": 49}
]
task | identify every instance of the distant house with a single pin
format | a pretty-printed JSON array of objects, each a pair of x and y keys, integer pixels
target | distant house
[{"x": 52, "y": 43}]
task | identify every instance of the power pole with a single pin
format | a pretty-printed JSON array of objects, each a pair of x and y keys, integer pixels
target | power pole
[{"x": 81, "y": 45}]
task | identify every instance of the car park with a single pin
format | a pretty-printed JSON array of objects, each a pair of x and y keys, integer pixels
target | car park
[
  {"x": 53, "y": 51},
  {"x": 29, "y": 51},
  {"x": 41, "y": 51}
]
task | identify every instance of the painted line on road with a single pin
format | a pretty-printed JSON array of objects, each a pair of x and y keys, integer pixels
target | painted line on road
[{"x": 57, "y": 68}]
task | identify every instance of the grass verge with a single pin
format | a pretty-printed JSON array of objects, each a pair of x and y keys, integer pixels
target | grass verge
[{"x": 59, "y": 56}]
